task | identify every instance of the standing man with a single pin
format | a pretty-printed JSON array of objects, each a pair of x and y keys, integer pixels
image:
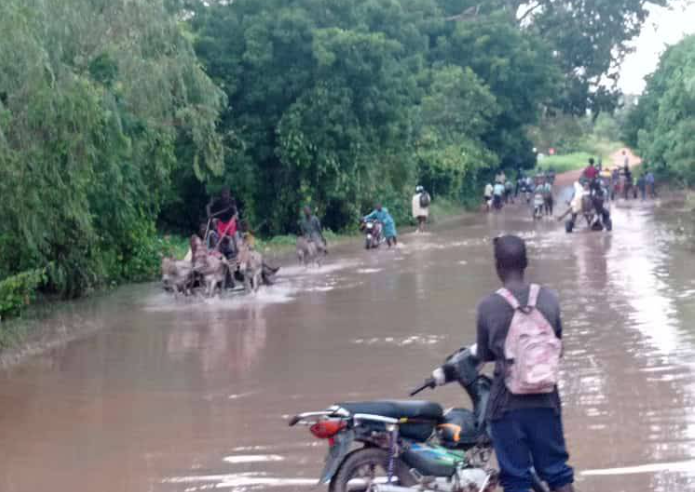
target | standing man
[
  {"x": 551, "y": 175},
  {"x": 519, "y": 183},
  {"x": 487, "y": 195},
  {"x": 650, "y": 182},
  {"x": 497, "y": 196},
  {"x": 508, "y": 190},
  {"x": 591, "y": 172},
  {"x": 548, "y": 201},
  {"x": 642, "y": 185},
  {"x": 526, "y": 426},
  {"x": 421, "y": 207},
  {"x": 615, "y": 182},
  {"x": 311, "y": 229},
  {"x": 628, "y": 182}
]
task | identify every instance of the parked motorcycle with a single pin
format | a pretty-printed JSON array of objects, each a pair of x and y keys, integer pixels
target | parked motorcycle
[
  {"x": 373, "y": 230},
  {"x": 409, "y": 446}
]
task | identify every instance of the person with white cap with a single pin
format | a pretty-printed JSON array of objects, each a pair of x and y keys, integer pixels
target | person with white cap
[{"x": 421, "y": 207}]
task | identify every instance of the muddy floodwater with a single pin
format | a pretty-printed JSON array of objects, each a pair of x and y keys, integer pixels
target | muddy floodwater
[{"x": 188, "y": 396}]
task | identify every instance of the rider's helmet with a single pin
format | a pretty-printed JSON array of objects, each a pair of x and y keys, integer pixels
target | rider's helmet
[{"x": 419, "y": 189}]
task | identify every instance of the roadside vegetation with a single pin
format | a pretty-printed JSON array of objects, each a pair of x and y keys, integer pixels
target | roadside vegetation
[
  {"x": 576, "y": 140},
  {"x": 662, "y": 124},
  {"x": 119, "y": 119}
]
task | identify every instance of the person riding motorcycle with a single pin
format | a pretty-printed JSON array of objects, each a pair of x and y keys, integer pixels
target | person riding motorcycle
[{"x": 382, "y": 215}]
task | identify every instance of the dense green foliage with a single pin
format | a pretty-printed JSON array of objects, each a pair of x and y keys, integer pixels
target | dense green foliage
[
  {"x": 590, "y": 38},
  {"x": 101, "y": 102},
  {"x": 17, "y": 291},
  {"x": 663, "y": 122},
  {"x": 340, "y": 104},
  {"x": 122, "y": 117},
  {"x": 575, "y": 140}
]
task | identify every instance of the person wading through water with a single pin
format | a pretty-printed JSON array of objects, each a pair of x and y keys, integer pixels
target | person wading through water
[
  {"x": 525, "y": 419},
  {"x": 420, "y": 205},
  {"x": 312, "y": 230}
]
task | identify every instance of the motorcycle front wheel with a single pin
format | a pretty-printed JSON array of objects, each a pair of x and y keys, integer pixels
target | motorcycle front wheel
[{"x": 367, "y": 467}]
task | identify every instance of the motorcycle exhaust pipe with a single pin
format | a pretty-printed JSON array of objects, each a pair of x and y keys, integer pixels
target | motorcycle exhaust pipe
[{"x": 385, "y": 487}]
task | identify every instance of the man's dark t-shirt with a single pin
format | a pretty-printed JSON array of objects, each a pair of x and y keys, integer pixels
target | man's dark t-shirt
[
  {"x": 223, "y": 209},
  {"x": 311, "y": 227},
  {"x": 494, "y": 317}
]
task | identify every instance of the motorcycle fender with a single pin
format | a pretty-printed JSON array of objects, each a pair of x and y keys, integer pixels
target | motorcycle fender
[{"x": 336, "y": 455}]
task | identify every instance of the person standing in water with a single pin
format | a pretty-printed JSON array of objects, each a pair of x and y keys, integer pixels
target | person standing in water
[
  {"x": 548, "y": 201},
  {"x": 497, "y": 196},
  {"x": 421, "y": 207},
  {"x": 487, "y": 196},
  {"x": 312, "y": 230},
  {"x": 650, "y": 182},
  {"x": 526, "y": 427}
]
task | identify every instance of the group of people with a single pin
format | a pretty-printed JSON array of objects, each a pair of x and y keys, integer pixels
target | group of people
[
  {"x": 503, "y": 191},
  {"x": 420, "y": 209},
  {"x": 496, "y": 195},
  {"x": 621, "y": 181},
  {"x": 526, "y": 428},
  {"x": 224, "y": 232}
]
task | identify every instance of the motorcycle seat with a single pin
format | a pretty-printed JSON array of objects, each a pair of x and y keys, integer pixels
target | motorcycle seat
[{"x": 397, "y": 409}]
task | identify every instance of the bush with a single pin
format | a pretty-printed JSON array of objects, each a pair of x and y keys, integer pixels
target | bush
[
  {"x": 102, "y": 105},
  {"x": 17, "y": 291},
  {"x": 564, "y": 163}
]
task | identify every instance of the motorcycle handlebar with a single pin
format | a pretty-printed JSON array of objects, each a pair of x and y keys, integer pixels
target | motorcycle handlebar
[{"x": 429, "y": 383}]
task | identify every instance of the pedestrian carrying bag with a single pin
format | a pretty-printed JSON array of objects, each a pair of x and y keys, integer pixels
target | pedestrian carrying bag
[
  {"x": 425, "y": 199},
  {"x": 532, "y": 349}
]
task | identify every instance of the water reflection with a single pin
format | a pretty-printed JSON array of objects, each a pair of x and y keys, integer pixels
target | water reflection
[{"x": 192, "y": 396}]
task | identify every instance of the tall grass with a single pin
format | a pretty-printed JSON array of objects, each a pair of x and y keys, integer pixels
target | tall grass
[
  {"x": 564, "y": 163},
  {"x": 592, "y": 147}
]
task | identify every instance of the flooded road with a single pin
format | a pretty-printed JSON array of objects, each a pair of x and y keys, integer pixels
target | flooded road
[{"x": 190, "y": 396}]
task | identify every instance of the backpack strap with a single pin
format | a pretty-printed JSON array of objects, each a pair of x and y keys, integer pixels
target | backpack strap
[
  {"x": 509, "y": 297},
  {"x": 534, "y": 290}
]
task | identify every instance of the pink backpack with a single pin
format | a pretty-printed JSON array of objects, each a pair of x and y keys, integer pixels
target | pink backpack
[{"x": 532, "y": 348}]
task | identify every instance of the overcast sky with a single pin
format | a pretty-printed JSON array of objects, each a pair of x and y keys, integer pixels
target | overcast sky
[{"x": 663, "y": 27}]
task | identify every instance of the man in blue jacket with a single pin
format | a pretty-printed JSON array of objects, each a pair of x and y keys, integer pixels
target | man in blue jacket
[{"x": 382, "y": 215}]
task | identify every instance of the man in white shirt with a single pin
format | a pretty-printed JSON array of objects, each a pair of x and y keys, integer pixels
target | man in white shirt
[{"x": 421, "y": 207}]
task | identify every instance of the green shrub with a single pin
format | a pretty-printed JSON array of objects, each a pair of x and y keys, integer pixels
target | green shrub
[
  {"x": 564, "y": 163},
  {"x": 17, "y": 291}
]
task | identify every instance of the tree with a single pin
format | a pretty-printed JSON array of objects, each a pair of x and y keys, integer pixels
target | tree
[
  {"x": 664, "y": 119},
  {"x": 590, "y": 39},
  {"x": 456, "y": 112},
  {"x": 333, "y": 102},
  {"x": 518, "y": 69},
  {"x": 97, "y": 98}
]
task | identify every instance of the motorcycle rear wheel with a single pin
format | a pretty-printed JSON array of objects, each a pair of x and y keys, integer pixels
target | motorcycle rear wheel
[{"x": 365, "y": 467}]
